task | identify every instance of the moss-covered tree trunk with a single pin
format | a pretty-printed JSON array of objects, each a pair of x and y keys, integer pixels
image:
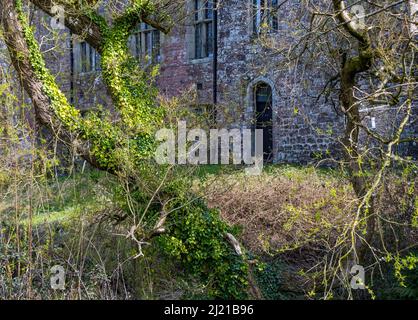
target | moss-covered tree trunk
[{"x": 350, "y": 69}]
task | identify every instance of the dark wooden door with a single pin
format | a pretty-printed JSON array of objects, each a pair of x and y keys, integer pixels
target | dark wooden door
[{"x": 264, "y": 117}]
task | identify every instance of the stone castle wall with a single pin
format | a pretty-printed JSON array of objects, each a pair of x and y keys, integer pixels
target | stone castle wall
[{"x": 304, "y": 126}]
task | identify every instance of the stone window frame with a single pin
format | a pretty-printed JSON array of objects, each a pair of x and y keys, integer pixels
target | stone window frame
[
  {"x": 152, "y": 38},
  {"x": 262, "y": 10},
  {"x": 203, "y": 37}
]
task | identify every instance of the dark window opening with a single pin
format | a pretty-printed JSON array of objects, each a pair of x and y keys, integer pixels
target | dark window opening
[
  {"x": 263, "y": 101},
  {"x": 265, "y": 15},
  {"x": 203, "y": 26},
  {"x": 146, "y": 43},
  {"x": 89, "y": 58}
]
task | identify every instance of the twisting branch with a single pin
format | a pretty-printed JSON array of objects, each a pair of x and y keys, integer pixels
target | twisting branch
[
  {"x": 348, "y": 23},
  {"x": 50, "y": 104},
  {"x": 78, "y": 22},
  {"x": 44, "y": 102},
  {"x": 85, "y": 22}
]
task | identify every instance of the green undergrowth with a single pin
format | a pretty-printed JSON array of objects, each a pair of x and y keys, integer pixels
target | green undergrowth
[{"x": 190, "y": 261}]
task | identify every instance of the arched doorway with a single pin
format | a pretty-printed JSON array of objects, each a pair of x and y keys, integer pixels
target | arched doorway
[{"x": 263, "y": 108}]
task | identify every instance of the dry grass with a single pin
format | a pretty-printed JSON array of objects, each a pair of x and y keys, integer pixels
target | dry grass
[{"x": 283, "y": 209}]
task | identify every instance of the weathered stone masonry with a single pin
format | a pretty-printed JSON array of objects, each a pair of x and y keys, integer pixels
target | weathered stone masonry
[
  {"x": 244, "y": 62},
  {"x": 303, "y": 128}
]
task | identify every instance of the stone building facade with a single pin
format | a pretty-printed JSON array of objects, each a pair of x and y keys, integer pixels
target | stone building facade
[
  {"x": 221, "y": 57},
  {"x": 236, "y": 73}
]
